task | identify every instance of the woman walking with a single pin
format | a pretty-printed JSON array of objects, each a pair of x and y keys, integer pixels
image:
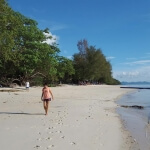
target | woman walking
[{"x": 46, "y": 97}]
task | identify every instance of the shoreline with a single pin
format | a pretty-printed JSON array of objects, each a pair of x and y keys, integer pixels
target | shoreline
[
  {"x": 136, "y": 122},
  {"x": 80, "y": 117}
]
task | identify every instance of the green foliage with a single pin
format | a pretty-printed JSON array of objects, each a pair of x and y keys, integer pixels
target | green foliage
[
  {"x": 24, "y": 54},
  {"x": 91, "y": 65},
  {"x": 65, "y": 69}
]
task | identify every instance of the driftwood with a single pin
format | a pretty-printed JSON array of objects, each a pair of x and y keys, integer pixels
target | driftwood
[
  {"x": 37, "y": 73},
  {"x": 133, "y": 106}
]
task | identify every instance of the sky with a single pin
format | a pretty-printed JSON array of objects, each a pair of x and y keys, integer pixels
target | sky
[{"x": 120, "y": 28}]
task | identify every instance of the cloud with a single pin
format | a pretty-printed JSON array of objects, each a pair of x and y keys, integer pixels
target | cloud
[
  {"x": 131, "y": 58},
  {"x": 110, "y": 57},
  {"x": 140, "y": 74},
  {"x": 58, "y": 27},
  {"x": 129, "y": 74},
  {"x": 140, "y": 62},
  {"x": 148, "y": 53},
  {"x": 54, "y": 39},
  {"x": 52, "y": 25}
]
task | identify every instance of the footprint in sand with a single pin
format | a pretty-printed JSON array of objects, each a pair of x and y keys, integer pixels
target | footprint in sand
[
  {"x": 49, "y": 128},
  {"x": 37, "y": 146},
  {"x": 50, "y": 146},
  {"x": 62, "y": 137},
  {"x": 72, "y": 143},
  {"x": 59, "y": 123},
  {"x": 59, "y": 131},
  {"x": 39, "y": 139},
  {"x": 48, "y": 138},
  {"x": 50, "y": 132}
]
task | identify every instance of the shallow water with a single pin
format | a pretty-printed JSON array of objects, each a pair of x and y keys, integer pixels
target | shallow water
[
  {"x": 140, "y": 97},
  {"x": 137, "y": 121}
]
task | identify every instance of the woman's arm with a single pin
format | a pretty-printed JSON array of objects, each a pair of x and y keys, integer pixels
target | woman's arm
[
  {"x": 42, "y": 95},
  {"x": 51, "y": 93}
]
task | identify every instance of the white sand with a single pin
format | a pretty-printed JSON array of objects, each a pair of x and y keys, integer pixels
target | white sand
[{"x": 80, "y": 118}]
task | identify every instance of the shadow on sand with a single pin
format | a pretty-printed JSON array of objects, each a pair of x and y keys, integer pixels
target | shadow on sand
[
  {"x": 20, "y": 113},
  {"x": 16, "y": 89}
]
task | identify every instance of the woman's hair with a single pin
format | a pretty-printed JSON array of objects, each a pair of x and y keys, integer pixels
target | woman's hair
[{"x": 45, "y": 84}]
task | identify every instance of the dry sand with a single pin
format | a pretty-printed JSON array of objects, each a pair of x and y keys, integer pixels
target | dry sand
[{"x": 80, "y": 118}]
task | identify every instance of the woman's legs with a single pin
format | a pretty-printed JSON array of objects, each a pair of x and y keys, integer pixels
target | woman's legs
[{"x": 46, "y": 106}]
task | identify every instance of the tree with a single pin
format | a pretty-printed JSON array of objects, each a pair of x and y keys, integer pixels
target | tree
[
  {"x": 8, "y": 28},
  {"x": 23, "y": 52},
  {"x": 91, "y": 65},
  {"x": 65, "y": 69},
  {"x": 82, "y": 47}
]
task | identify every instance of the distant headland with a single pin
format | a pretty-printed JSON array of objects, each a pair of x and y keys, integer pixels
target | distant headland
[{"x": 135, "y": 83}]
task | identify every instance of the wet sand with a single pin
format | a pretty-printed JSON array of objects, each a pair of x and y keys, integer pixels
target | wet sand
[{"x": 137, "y": 125}]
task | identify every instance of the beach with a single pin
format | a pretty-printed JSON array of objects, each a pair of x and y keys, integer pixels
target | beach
[{"x": 79, "y": 118}]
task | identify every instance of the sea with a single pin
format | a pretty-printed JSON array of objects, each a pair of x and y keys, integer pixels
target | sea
[{"x": 137, "y": 121}]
